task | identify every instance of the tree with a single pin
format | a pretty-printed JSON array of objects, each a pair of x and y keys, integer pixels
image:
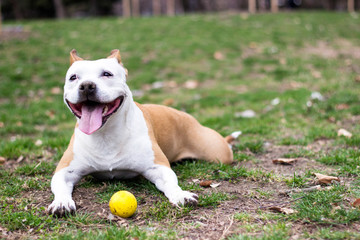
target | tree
[{"x": 59, "y": 9}]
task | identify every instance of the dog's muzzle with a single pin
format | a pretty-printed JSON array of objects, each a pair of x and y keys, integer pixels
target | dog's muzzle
[{"x": 93, "y": 114}]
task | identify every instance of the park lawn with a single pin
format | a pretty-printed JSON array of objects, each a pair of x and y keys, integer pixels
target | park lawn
[{"x": 298, "y": 71}]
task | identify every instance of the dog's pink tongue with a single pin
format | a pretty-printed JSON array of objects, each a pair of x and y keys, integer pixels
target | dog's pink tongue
[{"x": 91, "y": 118}]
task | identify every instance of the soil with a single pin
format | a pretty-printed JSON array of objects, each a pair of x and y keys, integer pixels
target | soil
[
  {"x": 206, "y": 222},
  {"x": 13, "y": 33}
]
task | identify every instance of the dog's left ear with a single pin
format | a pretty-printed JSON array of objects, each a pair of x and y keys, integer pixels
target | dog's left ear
[{"x": 115, "y": 54}]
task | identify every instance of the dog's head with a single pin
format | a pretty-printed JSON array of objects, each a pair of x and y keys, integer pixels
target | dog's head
[{"x": 94, "y": 90}]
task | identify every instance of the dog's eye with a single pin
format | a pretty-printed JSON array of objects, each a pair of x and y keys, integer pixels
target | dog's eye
[
  {"x": 73, "y": 77},
  {"x": 106, "y": 74}
]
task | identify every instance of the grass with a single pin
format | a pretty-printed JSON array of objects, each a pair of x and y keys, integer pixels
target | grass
[{"x": 285, "y": 56}]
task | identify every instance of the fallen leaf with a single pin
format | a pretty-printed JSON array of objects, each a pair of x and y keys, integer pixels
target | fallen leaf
[
  {"x": 38, "y": 142},
  {"x": 157, "y": 85},
  {"x": 335, "y": 208},
  {"x": 253, "y": 45},
  {"x": 283, "y": 210},
  {"x": 215, "y": 185},
  {"x": 138, "y": 93},
  {"x": 205, "y": 183},
  {"x": 285, "y": 161},
  {"x": 20, "y": 159},
  {"x": 246, "y": 114},
  {"x": 168, "y": 102},
  {"x": 195, "y": 180},
  {"x": 326, "y": 179},
  {"x": 317, "y": 96},
  {"x": 19, "y": 124},
  {"x": 191, "y": 84},
  {"x": 171, "y": 84},
  {"x": 356, "y": 203},
  {"x": 344, "y": 132},
  {"x": 282, "y": 61},
  {"x": 357, "y": 78},
  {"x": 2, "y": 124},
  {"x": 2, "y": 160},
  {"x": 219, "y": 56},
  {"x": 316, "y": 74},
  {"x": 55, "y": 90},
  {"x": 275, "y": 101},
  {"x": 50, "y": 114},
  {"x": 342, "y": 106}
]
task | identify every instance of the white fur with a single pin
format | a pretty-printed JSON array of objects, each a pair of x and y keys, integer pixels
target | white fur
[{"x": 120, "y": 149}]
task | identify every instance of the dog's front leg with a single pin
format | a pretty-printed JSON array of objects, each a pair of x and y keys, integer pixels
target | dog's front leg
[
  {"x": 62, "y": 185},
  {"x": 166, "y": 181}
]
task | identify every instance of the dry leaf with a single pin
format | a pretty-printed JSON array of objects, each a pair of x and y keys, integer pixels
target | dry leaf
[
  {"x": 215, "y": 185},
  {"x": 356, "y": 203},
  {"x": 219, "y": 56},
  {"x": 2, "y": 124},
  {"x": 316, "y": 74},
  {"x": 157, "y": 85},
  {"x": 246, "y": 114},
  {"x": 50, "y": 114},
  {"x": 38, "y": 142},
  {"x": 317, "y": 96},
  {"x": 335, "y": 208},
  {"x": 357, "y": 78},
  {"x": 19, "y": 124},
  {"x": 55, "y": 90},
  {"x": 171, "y": 84},
  {"x": 285, "y": 161},
  {"x": 191, "y": 84},
  {"x": 2, "y": 160},
  {"x": 344, "y": 132},
  {"x": 326, "y": 179},
  {"x": 168, "y": 102},
  {"x": 342, "y": 106},
  {"x": 283, "y": 210},
  {"x": 282, "y": 61},
  {"x": 253, "y": 45},
  {"x": 195, "y": 180},
  {"x": 205, "y": 183},
  {"x": 20, "y": 159}
]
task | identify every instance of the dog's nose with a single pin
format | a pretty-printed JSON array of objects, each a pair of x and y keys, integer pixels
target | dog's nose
[{"x": 87, "y": 88}]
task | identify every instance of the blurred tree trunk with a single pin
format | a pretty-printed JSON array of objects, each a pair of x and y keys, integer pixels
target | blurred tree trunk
[
  {"x": 59, "y": 9},
  {"x": 17, "y": 11},
  {"x": 126, "y": 8},
  {"x": 170, "y": 7},
  {"x": 156, "y": 6},
  {"x": 93, "y": 7},
  {"x": 135, "y": 8},
  {"x": 0, "y": 19}
]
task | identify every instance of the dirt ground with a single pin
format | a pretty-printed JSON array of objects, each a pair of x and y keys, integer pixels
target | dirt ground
[{"x": 204, "y": 222}]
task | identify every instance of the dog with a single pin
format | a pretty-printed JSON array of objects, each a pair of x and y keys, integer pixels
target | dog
[{"x": 117, "y": 138}]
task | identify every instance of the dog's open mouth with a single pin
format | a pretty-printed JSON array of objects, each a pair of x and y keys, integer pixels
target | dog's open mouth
[{"x": 93, "y": 115}]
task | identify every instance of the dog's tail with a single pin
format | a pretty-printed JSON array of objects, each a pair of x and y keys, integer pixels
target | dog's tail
[{"x": 232, "y": 137}]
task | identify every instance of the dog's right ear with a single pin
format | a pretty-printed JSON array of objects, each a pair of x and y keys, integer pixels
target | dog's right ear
[
  {"x": 74, "y": 57},
  {"x": 115, "y": 53}
]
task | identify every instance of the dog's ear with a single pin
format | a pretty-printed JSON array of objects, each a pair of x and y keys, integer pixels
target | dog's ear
[
  {"x": 74, "y": 57},
  {"x": 115, "y": 54}
]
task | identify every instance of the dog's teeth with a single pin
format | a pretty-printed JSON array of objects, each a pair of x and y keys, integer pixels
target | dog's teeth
[{"x": 105, "y": 110}]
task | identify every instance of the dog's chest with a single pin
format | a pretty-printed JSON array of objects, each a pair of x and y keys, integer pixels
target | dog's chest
[{"x": 117, "y": 149}]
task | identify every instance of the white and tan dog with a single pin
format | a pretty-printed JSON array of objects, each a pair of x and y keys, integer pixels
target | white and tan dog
[{"x": 117, "y": 138}]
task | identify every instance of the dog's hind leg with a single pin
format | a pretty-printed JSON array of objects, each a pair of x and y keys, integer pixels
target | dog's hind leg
[{"x": 206, "y": 144}]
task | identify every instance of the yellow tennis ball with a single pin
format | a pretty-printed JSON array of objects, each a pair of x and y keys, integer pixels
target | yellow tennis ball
[{"x": 123, "y": 204}]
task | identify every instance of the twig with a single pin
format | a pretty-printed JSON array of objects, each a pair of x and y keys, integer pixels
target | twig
[
  {"x": 226, "y": 229},
  {"x": 281, "y": 204}
]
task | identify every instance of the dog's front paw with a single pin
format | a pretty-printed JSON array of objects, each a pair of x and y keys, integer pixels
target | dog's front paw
[
  {"x": 62, "y": 207},
  {"x": 184, "y": 198}
]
